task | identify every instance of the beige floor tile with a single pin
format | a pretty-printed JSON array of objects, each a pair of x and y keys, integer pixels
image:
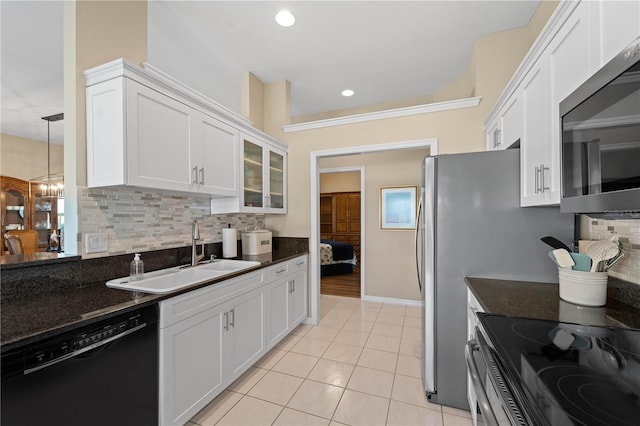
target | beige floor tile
[
  {"x": 366, "y": 315},
  {"x": 331, "y": 372},
  {"x": 401, "y": 414},
  {"x": 360, "y": 409},
  {"x": 191, "y": 424},
  {"x": 276, "y": 387},
  {"x": 245, "y": 382},
  {"x": 409, "y": 366},
  {"x": 409, "y": 390},
  {"x": 412, "y": 321},
  {"x": 390, "y": 319},
  {"x": 301, "y": 329},
  {"x": 340, "y": 313},
  {"x": 251, "y": 411},
  {"x": 330, "y": 322},
  {"x": 393, "y": 309},
  {"x": 217, "y": 408},
  {"x": 311, "y": 346},
  {"x": 348, "y": 303},
  {"x": 413, "y": 311},
  {"x": 290, "y": 417},
  {"x": 391, "y": 330},
  {"x": 350, "y": 337},
  {"x": 370, "y": 306},
  {"x": 378, "y": 360},
  {"x": 413, "y": 333},
  {"x": 324, "y": 333},
  {"x": 296, "y": 364},
  {"x": 355, "y": 324},
  {"x": 383, "y": 343},
  {"x": 456, "y": 411},
  {"x": 374, "y": 382},
  {"x": 411, "y": 347},
  {"x": 453, "y": 420},
  {"x": 319, "y": 399},
  {"x": 343, "y": 353},
  {"x": 271, "y": 358},
  {"x": 288, "y": 342},
  {"x": 336, "y": 424}
]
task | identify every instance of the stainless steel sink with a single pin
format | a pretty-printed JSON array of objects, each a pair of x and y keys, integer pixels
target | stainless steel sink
[{"x": 172, "y": 279}]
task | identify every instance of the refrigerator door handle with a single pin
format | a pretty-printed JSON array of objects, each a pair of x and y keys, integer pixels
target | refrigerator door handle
[{"x": 416, "y": 243}]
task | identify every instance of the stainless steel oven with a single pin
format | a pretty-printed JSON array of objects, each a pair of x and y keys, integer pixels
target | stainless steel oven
[
  {"x": 536, "y": 372},
  {"x": 601, "y": 139}
]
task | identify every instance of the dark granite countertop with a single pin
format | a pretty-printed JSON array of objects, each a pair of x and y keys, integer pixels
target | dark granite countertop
[
  {"x": 31, "y": 319},
  {"x": 34, "y": 259},
  {"x": 542, "y": 301}
]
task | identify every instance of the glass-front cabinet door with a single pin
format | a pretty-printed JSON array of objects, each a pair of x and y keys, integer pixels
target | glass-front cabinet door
[
  {"x": 276, "y": 180},
  {"x": 264, "y": 177},
  {"x": 253, "y": 188}
]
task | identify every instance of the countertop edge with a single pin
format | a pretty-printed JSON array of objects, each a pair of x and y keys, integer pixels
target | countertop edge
[{"x": 145, "y": 300}]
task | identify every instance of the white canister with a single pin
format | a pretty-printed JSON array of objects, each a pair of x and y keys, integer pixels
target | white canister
[{"x": 256, "y": 242}]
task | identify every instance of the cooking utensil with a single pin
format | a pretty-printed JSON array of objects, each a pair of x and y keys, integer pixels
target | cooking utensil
[
  {"x": 582, "y": 262},
  {"x": 555, "y": 243},
  {"x": 600, "y": 251},
  {"x": 563, "y": 258}
]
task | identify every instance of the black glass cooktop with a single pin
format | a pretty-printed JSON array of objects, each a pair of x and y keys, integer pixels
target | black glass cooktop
[{"x": 570, "y": 374}]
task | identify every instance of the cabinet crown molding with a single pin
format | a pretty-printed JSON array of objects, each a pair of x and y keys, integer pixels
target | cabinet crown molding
[{"x": 157, "y": 79}]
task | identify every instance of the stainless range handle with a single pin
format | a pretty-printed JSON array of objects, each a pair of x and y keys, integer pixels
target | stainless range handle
[{"x": 472, "y": 368}]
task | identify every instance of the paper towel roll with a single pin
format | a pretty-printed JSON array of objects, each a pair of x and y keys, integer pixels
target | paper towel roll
[{"x": 229, "y": 242}]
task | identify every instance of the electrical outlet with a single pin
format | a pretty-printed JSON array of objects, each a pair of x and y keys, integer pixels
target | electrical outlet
[{"x": 96, "y": 243}]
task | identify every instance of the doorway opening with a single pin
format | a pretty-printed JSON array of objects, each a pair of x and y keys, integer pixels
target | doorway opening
[
  {"x": 341, "y": 216},
  {"x": 314, "y": 234}
]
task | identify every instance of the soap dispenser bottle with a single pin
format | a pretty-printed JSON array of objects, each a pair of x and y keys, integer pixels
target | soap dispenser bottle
[{"x": 137, "y": 268}]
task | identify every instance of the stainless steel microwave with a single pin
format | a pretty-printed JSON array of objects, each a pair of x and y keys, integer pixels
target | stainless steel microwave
[{"x": 600, "y": 139}]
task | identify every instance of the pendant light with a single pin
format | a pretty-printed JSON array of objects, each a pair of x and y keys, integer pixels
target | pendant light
[{"x": 51, "y": 186}]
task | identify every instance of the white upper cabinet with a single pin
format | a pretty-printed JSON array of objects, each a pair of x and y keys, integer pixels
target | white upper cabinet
[
  {"x": 620, "y": 25},
  {"x": 147, "y": 130},
  {"x": 579, "y": 38}
]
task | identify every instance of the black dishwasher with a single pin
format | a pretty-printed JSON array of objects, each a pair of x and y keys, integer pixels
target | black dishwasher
[{"x": 105, "y": 373}]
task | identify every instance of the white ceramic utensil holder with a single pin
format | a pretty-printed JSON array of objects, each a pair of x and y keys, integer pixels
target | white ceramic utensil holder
[{"x": 583, "y": 288}]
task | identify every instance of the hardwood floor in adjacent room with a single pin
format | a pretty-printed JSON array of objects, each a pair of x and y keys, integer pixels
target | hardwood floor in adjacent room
[{"x": 342, "y": 285}]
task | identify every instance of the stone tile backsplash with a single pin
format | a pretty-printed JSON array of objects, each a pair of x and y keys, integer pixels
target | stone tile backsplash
[
  {"x": 628, "y": 232},
  {"x": 137, "y": 220}
]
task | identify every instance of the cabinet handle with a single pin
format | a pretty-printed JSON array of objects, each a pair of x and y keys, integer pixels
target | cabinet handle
[
  {"x": 300, "y": 263},
  {"x": 195, "y": 175},
  {"x": 233, "y": 318},
  {"x": 226, "y": 321},
  {"x": 542, "y": 186},
  {"x": 280, "y": 271},
  {"x": 537, "y": 185},
  {"x": 202, "y": 176}
]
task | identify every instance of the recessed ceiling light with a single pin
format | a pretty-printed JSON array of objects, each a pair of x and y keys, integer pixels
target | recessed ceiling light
[
  {"x": 285, "y": 18},
  {"x": 347, "y": 92}
]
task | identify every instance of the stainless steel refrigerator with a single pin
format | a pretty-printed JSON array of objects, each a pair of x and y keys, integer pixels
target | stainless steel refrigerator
[{"x": 471, "y": 224}]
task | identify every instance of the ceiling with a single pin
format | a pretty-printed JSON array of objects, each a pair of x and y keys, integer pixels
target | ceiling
[{"x": 383, "y": 50}]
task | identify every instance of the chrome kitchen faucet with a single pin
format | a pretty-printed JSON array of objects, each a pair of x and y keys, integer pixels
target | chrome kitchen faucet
[{"x": 195, "y": 236}]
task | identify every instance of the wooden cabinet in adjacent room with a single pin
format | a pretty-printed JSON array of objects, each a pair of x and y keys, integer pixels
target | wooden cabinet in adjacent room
[{"x": 340, "y": 218}]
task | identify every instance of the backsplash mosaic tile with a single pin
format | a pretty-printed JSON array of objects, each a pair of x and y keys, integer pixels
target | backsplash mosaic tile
[
  {"x": 137, "y": 220},
  {"x": 628, "y": 232}
]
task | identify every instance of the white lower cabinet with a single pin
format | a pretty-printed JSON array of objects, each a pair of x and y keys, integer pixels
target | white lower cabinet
[
  {"x": 211, "y": 336},
  {"x": 191, "y": 367},
  {"x": 286, "y": 300}
]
